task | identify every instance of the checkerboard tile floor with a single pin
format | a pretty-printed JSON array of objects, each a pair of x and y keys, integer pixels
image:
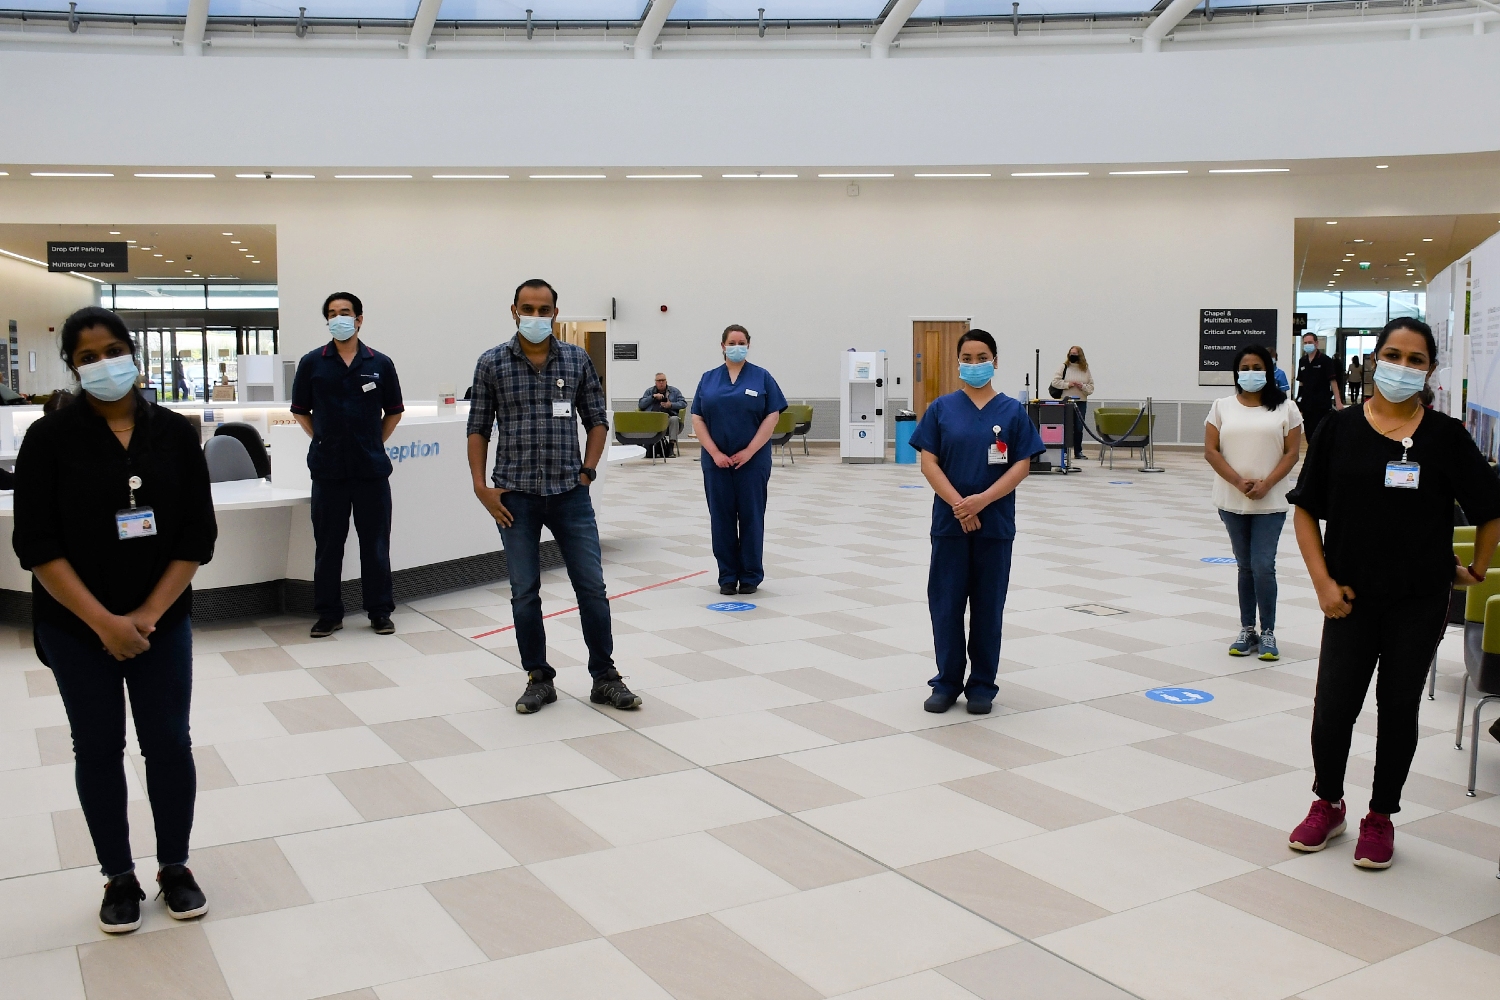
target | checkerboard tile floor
[{"x": 781, "y": 820}]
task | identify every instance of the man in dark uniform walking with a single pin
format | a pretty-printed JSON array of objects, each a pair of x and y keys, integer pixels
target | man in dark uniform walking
[{"x": 1318, "y": 392}]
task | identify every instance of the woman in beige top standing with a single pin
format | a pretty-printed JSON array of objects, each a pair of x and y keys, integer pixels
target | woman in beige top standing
[{"x": 1074, "y": 380}]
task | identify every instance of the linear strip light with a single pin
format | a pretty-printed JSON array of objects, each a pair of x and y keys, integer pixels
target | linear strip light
[
  {"x": 372, "y": 177},
  {"x": 1143, "y": 173},
  {"x": 47, "y": 173},
  {"x": 278, "y": 177},
  {"x": 1053, "y": 173},
  {"x": 1253, "y": 170},
  {"x": 4, "y": 173},
  {"x": 179, "y": 177},
  {"x": 952, "y": 175},
  {"x": 28, "y": 260},
  {"x": 567, "y": 177},
  {"x": 853, "y": 176},
  {"x": 758, "y": 177},
  {"x": 88, "y": 277},
  {"x": 471, "y": 177},
  {"x": 663, "y": 177}
]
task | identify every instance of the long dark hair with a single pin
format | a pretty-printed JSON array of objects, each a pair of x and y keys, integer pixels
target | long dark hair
[
  {"x": 1272, "y": 395},
  {"x": 1418, "y": 327}
]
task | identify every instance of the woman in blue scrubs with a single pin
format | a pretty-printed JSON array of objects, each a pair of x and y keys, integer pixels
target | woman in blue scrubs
[
  {"x": 976, "y": 447},
  {"x": 735, "y": 409}
]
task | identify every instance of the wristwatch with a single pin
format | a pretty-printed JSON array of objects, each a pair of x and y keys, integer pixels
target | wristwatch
[{"x": 593, "y": 474}]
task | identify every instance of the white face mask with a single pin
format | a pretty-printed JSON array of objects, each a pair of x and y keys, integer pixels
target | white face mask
[
  {"x": 341, "y": 327},
  {"x": 535, "y": 328}
]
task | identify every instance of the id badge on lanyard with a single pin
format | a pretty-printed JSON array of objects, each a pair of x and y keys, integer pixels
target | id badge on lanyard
[
  {"x": 999, "y": 454},
  {"x": 135, "y": 522},
  {"x": 1403, "y": 475},
  {"x": 562, "y": 407}
]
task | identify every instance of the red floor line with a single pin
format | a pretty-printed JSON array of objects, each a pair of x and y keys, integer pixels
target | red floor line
[{"x": 507, "y": 628}]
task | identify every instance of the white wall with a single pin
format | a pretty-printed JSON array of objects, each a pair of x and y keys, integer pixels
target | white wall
[
  {"x": 1121, "y": 265},
  {"x": 37, "y": 300}
]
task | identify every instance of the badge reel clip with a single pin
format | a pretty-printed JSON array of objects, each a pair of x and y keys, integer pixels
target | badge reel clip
[
  {"x": 562, "y": 407},
  {"x": 1403, "y": 475},
  {"x": 1000, "y": 454},
  {"x": 135, "y": 522}
]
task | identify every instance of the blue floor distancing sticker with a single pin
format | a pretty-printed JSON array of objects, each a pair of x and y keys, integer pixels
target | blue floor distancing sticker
[
  {"x": 911, "y": 486},
  {"x": 1121, "y": 482},
  {"x": 1179, "y": 696},
  {"x": 731, "y": 606},
  {"x": 1218, "y": 560}
]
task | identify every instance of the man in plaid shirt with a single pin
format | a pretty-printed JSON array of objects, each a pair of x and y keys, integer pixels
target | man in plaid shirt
[{"x": 536, "y": 388}]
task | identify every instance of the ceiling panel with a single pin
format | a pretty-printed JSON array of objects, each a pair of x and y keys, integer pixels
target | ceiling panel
[{"x": 1404, "y": 252}]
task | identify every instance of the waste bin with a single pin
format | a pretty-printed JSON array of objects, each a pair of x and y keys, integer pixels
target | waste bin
[{"x": 906, "y": 424}]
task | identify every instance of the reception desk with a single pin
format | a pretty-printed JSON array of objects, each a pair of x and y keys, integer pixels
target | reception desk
[{"x": 442, "y": 539}]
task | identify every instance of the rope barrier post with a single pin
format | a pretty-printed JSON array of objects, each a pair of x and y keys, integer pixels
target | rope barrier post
[{"x": 1148, "y": 453}]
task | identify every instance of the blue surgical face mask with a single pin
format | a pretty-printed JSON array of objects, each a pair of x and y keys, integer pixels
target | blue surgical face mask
[
  {"x": 1398, "y": 383},
  {"x": 979, "y": 375},
  {"x": 341, "y": 327},
  {"x": 1309, "y": 348},
  {"x": 110, "y": 379},
  {"x": 535, "y": 328},
  {"x": 1251, "y": 381},
  {"x": 736, "y": 352}
]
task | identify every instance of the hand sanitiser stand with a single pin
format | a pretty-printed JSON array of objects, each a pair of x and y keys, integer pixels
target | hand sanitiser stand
[{"x": 862, "y": 399}]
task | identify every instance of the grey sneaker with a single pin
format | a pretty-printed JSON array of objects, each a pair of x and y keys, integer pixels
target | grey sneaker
[
  {"x": 1268, "y": 650},
  {"x": 1246, "y": 643}
]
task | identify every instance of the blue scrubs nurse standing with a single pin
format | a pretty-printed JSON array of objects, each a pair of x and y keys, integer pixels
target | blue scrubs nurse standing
[
  {"x": 734, "y": 412},
  {"x": 976, "y": 447}
]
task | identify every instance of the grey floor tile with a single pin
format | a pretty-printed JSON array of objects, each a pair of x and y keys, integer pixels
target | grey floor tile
[
  {"x": 1223, "y": 831},
  {"x": 696, "y": 666},
  {"x": 1277, "y": 680},
  {"x": 819, "y": 683},
  {"x": 699, "y": 640},
  {"x": 261, "y": 661},
  {"x": 987, "y": 745},
  {"x": 1111, "y": 640},
  {"x": 1154, "y": 713},
  {"x": 1029, "y": 800},
  {"x": 55, "y": 744},
  {"x": 1458, "y": 832},
  {"x": 432, "y": 643},
  {"x": 313, "y": 715},
  {"x": 424, "y": 739},
  {"x": 1211, "y": 757},
  {"x": 75, "y": 848},
  {"x": 510, "y": 912},
  {"x": 1137, "y": 663},
  {"x": 1353, "y": 928},
  {"x": 833, "y": 721},
  {"x": 841, "y": 622},
  {"x": 346, "y": 677},
  {"x": 535, "y": 829},
  {"x": 628, "y": 754},
  {"x": 172, "y": 964},
  {"x": 212, "y": 771},
  {"x": 388, "y": 791},
  {"x": 856, "y": 646},
  {"x": 1435, "y": 793},
  {"x": 791, "y": 849},
  {"x": 40, "y": 683},
  {"x": 701, "y": 959},
  {"x": 249, "y": 877},
  {"x": 783, "y": 784},
  {"x": 290, "y": 634},
  {"x": 1485, "y": 934},
  {"x": 873, "y": 598},
  {"x": 1026, "y": 972},
  {"x": 1019, "y": 698},
  {"x": 461, "y": 618},
  {"x": 1021, "y": 903},
  {"x": 365, "y": 994},
  {"x": 504, "y": 688},
  {"x": 653, "y": 712}
]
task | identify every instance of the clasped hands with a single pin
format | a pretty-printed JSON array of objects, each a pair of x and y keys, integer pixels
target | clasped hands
[
  {"x": 967, "y": 511},
  {"x": 127, "y": 636},
  {"x": 1255, "y": 489},
  {"x": 734, "y": 461}
]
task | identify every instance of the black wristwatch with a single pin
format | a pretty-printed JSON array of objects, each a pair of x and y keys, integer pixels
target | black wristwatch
[{"x": 593, "y": 474}]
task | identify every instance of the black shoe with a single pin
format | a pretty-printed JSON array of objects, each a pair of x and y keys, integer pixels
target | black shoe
[
  {"x": 324, "y": 627},
  {"x": 728, "y": 588},
  {"x": 1495, "y": 729},
  {"x": 383, "y": 625},
  {"x": 938, "y": 703},
  {"x": 178, "y": 887},
  {"x": 120, "y": 913},
  {"x": 978, "y": 707},
  {"x": 748, "y": 588},
  {"x": 538, "y": 692},
  {"x": 611, "y": 690}
]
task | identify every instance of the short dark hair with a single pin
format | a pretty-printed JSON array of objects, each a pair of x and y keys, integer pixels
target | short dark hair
[
  {"x": 1271, "y": 394},
  {"x": 534, "y": 283},
  {"x": 86, "y": 319},
  {"x": 349, "y": 297},
  {"x": 57, "y": 400},
  {"x": 1415, "y": 326},
  {"x": 983, "y": 337},
  {"x": 731, "y": 328}
]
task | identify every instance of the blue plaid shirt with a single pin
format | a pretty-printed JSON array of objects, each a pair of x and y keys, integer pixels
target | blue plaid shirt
[{"x": 537, "y": 452}]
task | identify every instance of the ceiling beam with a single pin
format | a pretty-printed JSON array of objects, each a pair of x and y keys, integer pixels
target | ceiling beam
[
  {"x": 195, "y": 27},
  {"x": 421, "y": 29},
  {"x": 890, "y": 26},
  {"x": 651, "y": 25},
  {"x": 1165, "y": 22}
]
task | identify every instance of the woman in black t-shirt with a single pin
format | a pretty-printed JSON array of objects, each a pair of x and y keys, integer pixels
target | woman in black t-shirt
[
  {"x": 1384, "y": 476},
  {"x": 113, "y": 516}
]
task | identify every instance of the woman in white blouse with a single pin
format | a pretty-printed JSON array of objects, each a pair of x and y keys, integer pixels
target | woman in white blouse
[
  {"x": 1252, "y": 440},
  {"x": 1074, "y": 381}
]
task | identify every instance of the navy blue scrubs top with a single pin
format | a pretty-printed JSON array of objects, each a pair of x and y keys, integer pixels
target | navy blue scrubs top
[
  {"x": 348, "y": 404},
  {"x": 961, "y": 435},
  {"x": 734, "y": 410}
]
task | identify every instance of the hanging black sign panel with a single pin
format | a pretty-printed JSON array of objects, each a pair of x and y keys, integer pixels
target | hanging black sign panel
[
  {"x": 1221, "y": 335},
  {"x": 88, "y": 257}
]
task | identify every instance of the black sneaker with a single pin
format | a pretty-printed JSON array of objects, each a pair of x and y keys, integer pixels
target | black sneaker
[
  {"x": 728, "y": 588},
  {"x": 178, "y": 887},
  {"x": 538, "y": 693},
  {"x": 120, "y": 913},
  {"x": 978, "y": 707},
  {"x": 748, "y": 588},
  {"x": 324, "y": 627},
  {"x": 383, "y": 625},
  {"x": 938, "y": 703},
  {"x": 611, "y": 690}
]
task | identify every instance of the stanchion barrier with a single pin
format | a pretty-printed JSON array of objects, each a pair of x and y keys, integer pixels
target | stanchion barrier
[{"x": 1148, "y": 453}]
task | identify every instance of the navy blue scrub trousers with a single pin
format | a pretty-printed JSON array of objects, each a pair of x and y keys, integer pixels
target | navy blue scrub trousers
[
  {"x": 737, "y": 516},
  {"x": 973, "y": 572},
  {"x": 370, "y": 500}
]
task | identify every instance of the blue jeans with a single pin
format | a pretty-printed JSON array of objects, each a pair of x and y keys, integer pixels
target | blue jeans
[
  {"x": 570, "y": 518},
  {"x": 974, "y": 573},
  {"x": 92, "y": 684},
  {"x": 1253, "y": 538}
]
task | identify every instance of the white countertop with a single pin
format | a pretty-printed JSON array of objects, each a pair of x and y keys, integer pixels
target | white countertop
[{"x": 245, "y": 494}]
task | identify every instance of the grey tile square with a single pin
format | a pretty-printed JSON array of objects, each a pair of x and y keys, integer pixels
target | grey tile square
[
  {"x": 1154, "y": 713},
  {"x": 1111, "y": 640},
  {"x": 535, "y": 829},
  {"x": 346, "y": 677},
  {"x": 1458, "y": 832},
  {"x": 1223, "y": 831},
  {"x": 856, "y": 646},
  {"x": 461, "y": 618},
  {"x": 1026, "y": 972},
  {"x": 789, "y": 848},
  {"x": 75, "y": 848},
  {"x": 1423, "y": 789},
  {"x": 1029, "y": 800},
  {"x": 1021, "y": 903},
  {"x": 290, "y": 634},
  {"x": 783, "y": 784},
  {"x": 313, "y": 715},
  {"x": 252, "y": 876},
  {"x": 1212, "y": 757},
  {"x": 55, "y": 744},
  {"x": 1485, "y": 934},
  {"x": 40, "y": 683},
  {"x": 700, "y": 959},
  {"x": 699, "y": 640},
  {"x": 433, "y": 643},
  {"x": 840, "y": 622},
  {"x": 424, "y": 739},
  {"x": 510, "y": 912},
  {"x": 819, "y": 683},
  {"x": 388, "y": 791},
  {"x": 984, "y": 744},
  {"x": 172, "y": 964},
  {"x": 1167, "y": 673},
  {"x": 261, "y": 661},
  {"x": 834, "y": 721},
  {"x": 1019, "y": 698},
  {"x": 628, "y": 754},
  {"x": 212, "y": 771},
  {"x": 696, "y": 666}
]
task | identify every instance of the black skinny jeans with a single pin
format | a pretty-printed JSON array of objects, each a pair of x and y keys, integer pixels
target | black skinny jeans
[
  {"x": 92, "y": 684},
  {"x": 1402, "y": 634}
]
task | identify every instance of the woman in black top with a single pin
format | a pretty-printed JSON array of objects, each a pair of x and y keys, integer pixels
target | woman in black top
[
  {"x": 1384, "y": 476},
  {"x": 113, "y": 516}
]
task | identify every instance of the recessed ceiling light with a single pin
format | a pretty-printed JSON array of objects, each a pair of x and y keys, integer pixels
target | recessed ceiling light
[
  {"x": 179, "y": 177},
  {"x": 1143, "y": 173},
  {"x": 132, "y": 241},
  {"x": 1332, "y": 222},
  {"x": 1052, "y": 173},
  {"x": 278, "y": 177},
  {"x": 234, "y": 241},
  {"x": 758, "y": 177},
  {"x": 113, "y": 232},
  {"x": 372, "y": 177},
  {"x": 1359, "y": 241},
  {"x": 951, "y": 175},
  {"x": 50, "y": 173},
  {"x": 1253, "y": 170},
  {"x": 1427, "y": 239},
  {"x": 226, "y": 234},
  {"x": 567, "y": 177},
  {"x": 471, "y": 177},
  {"x": 1382, "y": 166},
  {"x": 663, "y": 177},
  {"x": 156, "y": 255},
  {"x": 169, "y": 262},
  {"x": 853, "y": 176},
  {"x": 1338, "y": 270}
]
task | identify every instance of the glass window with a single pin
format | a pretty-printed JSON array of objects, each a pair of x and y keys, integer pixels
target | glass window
[
  {"x": 155, "y": 297},
  {"x": 1001, "y": 8},
  {"x": 1322, "y": 310},
  {"x": 796, "y": 10},
  {"x": 1364, "y": 310},
  {"x": 542, "y": 10},
  {"x": 1409, "y": 304},
  {"x": 243, "y": 297}
]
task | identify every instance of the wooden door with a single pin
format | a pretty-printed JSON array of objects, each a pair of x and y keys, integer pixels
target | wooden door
[{"x": 934, "y": 352}]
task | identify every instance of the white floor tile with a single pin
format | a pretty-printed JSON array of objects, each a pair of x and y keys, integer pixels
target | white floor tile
[
  {"x": 927, "y": 985},
  {"x": 735, "y": 737},
  {"x": 468, "y": 779},
  {"x": 903, "y": 709},
  {"x": 903, "y": 672},
  {"x": 1236, "y": 699},
  {"x": 1283, "y": 800},
  {"x": 1283, "y": 738},
  {"x": 18, "y": 749},
  {"x": 498, "y": 728},
  {"x": 349, "y": 648},
  {"x": 417, "y": 701},
  {"x": 1074, "y": 729},
  {"x": 922, "y": 824},
  {"x": 731, "y": 696},
  {"x": 664, "y": 805},
  {"x": 305, "y": 754},
  {"x": 1050, "y": 650},
  {"x": 1124, "y": 778},
  {"x": 1080, "y": 681},
  {"x": 888, "y": 764},
  {"x": 1440, "y": 968},
  {"x": 37, "y": 790},
  {"x": 271, "y": 809},
  {"x": 29, "y": 845},
  {"x": 769, "y": 630},
  {"x": 52, "y": 975},
  {"x": 58, "y": 909},
  {"x": 590, "y": 970}
]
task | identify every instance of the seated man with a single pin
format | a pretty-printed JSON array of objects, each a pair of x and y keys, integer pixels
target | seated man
[{"x": 668, "y": 399}]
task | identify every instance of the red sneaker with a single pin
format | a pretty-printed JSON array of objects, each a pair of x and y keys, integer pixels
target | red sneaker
[
  {"x": 1377, "y": 842},
  {"x": 1324, "y": 822}
]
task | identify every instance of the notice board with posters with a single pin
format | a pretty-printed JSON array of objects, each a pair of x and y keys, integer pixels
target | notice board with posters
[
  {"x": 1483, "y": 411},
  {"x": 1221, "y": 335}
]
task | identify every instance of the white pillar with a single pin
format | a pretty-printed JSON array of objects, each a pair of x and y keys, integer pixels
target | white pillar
[
  {"x": 651, "y": 25},
  {"x": 1165, "y": 22},
  {"x": 880, "y": 45},
  {"x": 195, "y": 28},
  {"x": 421, "y": 29}
]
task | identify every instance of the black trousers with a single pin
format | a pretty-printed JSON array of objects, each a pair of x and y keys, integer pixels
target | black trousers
[
  {"x": 1311, "y": 418},
  {"x": 370, "y": 501},
  {"x": 1401, "y": 635}
]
